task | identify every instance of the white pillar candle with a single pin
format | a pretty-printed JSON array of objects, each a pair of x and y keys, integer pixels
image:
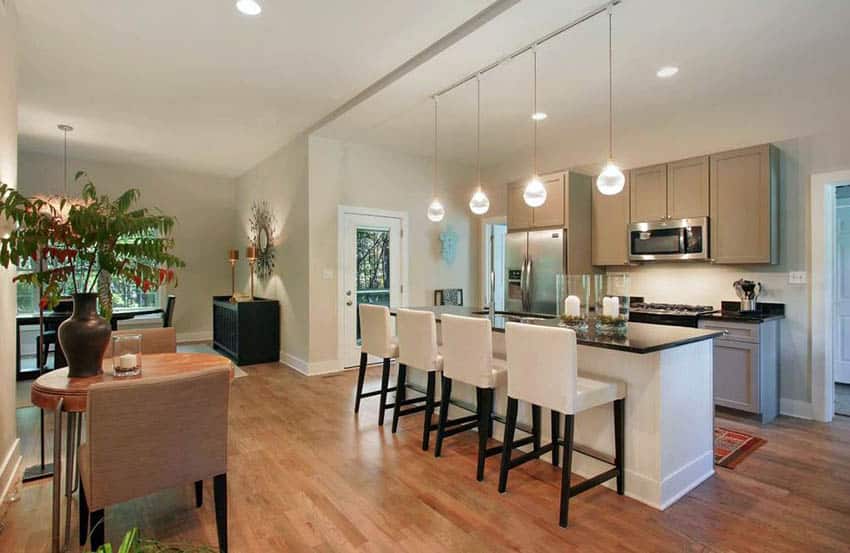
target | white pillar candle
[
  {"x": 127, "y": 361},
  {"x": 611, "y": 307},
  {"x": 572, "y": 306}
]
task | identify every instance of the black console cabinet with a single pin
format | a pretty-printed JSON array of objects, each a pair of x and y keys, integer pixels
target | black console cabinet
[{"x": 247, "y": 332}]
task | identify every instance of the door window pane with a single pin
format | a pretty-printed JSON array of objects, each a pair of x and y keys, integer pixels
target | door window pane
[{"x": 373, "y": 269}]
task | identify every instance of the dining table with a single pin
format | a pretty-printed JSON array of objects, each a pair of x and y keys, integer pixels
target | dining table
[{"x": 56, "y": 391}]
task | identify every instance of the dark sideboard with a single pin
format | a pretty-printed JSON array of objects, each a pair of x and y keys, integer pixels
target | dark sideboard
[{"x": 248, "y": 332}]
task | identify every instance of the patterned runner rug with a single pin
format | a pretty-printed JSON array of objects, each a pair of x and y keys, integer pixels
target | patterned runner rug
[{"x": 731, "y": 447}]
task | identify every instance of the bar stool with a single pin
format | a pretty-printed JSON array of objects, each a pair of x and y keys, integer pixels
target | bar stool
[
  {"x": 417, "y": 349},
  {"x": 376, "y": 339},
  {"x": 468, "y": 358},
  {"x": 542, "y": 370}
]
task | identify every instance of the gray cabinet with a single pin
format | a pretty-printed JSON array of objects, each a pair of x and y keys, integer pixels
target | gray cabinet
[
  {"x": 610, "y": 227},
  {"x": 746, "y": 366},
  {"x": 549, "y": 215}
]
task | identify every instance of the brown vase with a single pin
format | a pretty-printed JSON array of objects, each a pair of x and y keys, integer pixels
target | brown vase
[{"x": 84, "y": 337}]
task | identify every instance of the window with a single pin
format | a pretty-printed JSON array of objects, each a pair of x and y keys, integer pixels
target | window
[{"x": 373, "y": 268}]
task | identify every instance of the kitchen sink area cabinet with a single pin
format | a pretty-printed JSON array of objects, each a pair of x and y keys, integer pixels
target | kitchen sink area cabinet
[
  {"x": 746, "y": 366},
  {"x": 687, "y": 188},
  {"x": 609, "y": 227},
  {"x": 648, "y": 193},
  {"x": 744, "y": 205}
]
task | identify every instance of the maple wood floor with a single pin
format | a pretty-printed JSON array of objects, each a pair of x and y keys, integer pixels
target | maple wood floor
[{"x": 307, "y": 475}]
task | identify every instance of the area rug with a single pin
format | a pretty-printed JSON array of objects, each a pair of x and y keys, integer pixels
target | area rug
[{"x": 731, "y": 447}]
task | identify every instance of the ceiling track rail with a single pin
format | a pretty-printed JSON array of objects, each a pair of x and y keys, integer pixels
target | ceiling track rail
[{"x": 528, "y": 47}]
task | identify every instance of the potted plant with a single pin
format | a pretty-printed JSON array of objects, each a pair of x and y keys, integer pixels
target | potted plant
[
  {"x": 72, "y": 243},
  {"x": 133, "y": 543}
]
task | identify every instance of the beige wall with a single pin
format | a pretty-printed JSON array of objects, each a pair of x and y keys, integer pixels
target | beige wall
[
  {"x": 282, "y": 181},
  {"x": 9, "y": 452},
  {"x": 203, "y": 205},
  {"x": 351, "y": 174}
]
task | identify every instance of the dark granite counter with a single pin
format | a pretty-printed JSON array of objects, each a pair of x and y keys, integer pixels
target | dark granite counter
[
  {"x": 639, "y": 337},
  {"x": 731, "y": 311}
]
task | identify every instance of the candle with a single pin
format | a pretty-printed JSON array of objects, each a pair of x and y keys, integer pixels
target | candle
[
  {"x": 127, "y": 361},
  {"x": 611, "y": 307},
  {"x": 233, "y": 255},
  {"x": 572, "y": 306}
]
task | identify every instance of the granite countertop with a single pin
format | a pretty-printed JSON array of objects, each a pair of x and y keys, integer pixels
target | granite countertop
[
  {"x": 731, "y": 311},
  {"x": 639, "y": 337}
]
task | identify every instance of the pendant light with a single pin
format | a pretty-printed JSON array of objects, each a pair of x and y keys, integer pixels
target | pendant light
[
  {"x": 59, "y": 205},
  {"x": 534, "y": 193},
  {"x": 480, "y": 203},
  {"x": 611, "y": 181},
  {"x": 436, "y": 211}
]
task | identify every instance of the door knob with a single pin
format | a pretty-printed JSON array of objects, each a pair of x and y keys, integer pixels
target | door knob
[
  {"x": 348, "y": 292},
  {"x": 349, "y": 302}
]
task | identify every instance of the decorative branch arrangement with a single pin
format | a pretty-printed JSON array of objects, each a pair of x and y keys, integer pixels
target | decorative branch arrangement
[{"x": 75, "y": 241}]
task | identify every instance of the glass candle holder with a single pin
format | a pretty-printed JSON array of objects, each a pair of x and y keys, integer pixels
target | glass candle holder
[
  {"x": 612, "y": 302},
  {"x": 573, "y": 300},
  {"x": 127, "y": 355}
]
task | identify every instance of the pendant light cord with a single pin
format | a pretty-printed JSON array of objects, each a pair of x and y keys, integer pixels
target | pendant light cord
[
  {"x": 478, "y": 128},
  {"x": 65, "y": 167},
  {"x": 534, "y": 110},
  {"x": 610, "y": 83},
  {"x": 436, "y": 152}
]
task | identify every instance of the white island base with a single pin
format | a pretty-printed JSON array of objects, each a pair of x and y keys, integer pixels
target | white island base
[{"x": 669, "y": 426}]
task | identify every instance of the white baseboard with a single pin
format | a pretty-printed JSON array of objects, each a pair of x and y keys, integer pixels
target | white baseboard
[
  {"x": 10, "y": 475},
  {"x": 310, "y": 369},
  {"x": 190, "y": 337},
  {"x": 796, "y": 408}
]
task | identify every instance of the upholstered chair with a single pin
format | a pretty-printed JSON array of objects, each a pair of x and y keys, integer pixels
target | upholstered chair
[
  {"x": 376, "y": 334},
  {"x": 154, "y": 340}
]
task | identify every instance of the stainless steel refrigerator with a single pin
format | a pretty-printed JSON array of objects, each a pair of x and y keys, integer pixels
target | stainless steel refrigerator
[{"x": 532, "y": 259}]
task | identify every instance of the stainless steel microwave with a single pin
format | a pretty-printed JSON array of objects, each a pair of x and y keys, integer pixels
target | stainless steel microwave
[{"x": 669, "y": 240}]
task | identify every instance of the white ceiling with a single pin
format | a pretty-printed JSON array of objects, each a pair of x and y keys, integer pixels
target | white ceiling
[
  {"x": 751, "y": 71},
  {"x": 195, "y": 84}
]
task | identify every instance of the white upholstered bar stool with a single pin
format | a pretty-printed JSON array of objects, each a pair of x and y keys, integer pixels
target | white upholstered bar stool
[
  {"x": 468, "y": 358},
  {"x": 543, "y": 371},
  {"x": 417, "y": 349},
  {"x": 377, "y": 339}
]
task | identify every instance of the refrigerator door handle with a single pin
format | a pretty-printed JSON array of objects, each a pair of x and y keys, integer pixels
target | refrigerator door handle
[
  {"x": 523, "y": 282},
  {"x": 528, "y": 281}
]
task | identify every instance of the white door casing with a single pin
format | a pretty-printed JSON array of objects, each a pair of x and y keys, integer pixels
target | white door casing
[
  {"x": 350, "y": 219},
  {"x": 841, "y": 294}
]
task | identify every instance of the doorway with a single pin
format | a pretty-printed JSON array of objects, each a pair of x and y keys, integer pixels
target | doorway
[
  {"x": 841, "y": 301},
  {"x": 372, "y": 269},
  {"x": 494, "y": 232}
]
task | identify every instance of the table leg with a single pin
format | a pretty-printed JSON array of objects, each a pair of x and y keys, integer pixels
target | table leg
[
  {"x": 17, "y": 350},
  {"x": 57, "y": 472},
  {"x": 77, "y": 452},
  {"x": 70, "y": 464}
]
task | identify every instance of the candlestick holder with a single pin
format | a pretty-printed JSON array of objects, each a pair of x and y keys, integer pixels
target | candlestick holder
[
  {"x": 232, "y": 258},
  {"x": 612, "y": 303},
  {"x": 251, "y": 255},
  {"x": 127, "y": 355},
  {"x": 573, "y": 300}
]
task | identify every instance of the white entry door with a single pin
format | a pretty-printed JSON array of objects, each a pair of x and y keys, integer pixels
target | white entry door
[
  {"x": 372, "y": 270},
  {"x": 841, "y": 355}
]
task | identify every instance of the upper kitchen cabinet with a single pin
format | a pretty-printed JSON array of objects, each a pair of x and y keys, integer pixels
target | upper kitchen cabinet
[
  {"x": 744, "y": 205},
  {"x": 610, "y": 222},
  {"x": 550, "y": 214},
  {"x": 648, "y": 194},
  {"x": 687, "y": 188},
  {"x": 519, "y": 214}
]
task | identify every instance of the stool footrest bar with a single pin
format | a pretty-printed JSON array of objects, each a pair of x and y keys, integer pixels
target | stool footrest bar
[
  {"x": 460, "y": 428},
  {"x": 593, "y": 482},
  {"x": 530, "y": 455}
]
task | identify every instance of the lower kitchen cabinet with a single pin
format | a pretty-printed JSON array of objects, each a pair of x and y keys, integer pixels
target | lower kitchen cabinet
[{"x": 746, "y": 366}]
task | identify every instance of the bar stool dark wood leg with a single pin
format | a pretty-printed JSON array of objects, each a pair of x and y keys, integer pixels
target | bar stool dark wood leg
[
  {"x": 485, "y": 410},
  {"x": 556, "y": 436},
  {"x": 199, "y": 493},
  {"x": 361, "y": 376},
  {"x": 619, "y": 443},
  {"x": 535, "y": 425},
  {"x": 508, "y": 443},
  {"x": 400, "y": 394},
  {"x": 445, "y": 397},
  {"x": 385, "y": 384},
  {"x": 567, "y": 469},
  {"x": 429, "y": 409}
]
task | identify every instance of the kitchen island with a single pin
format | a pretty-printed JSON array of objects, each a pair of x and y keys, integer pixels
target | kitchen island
[{"x": 669, "y": 427}]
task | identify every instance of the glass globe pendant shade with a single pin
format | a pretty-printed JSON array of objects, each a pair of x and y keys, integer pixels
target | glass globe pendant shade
[
  {"x": 436, "y": 211},
  {"x": 480, "y": 203},
  {"x": 611, "y": 180},
  {"x": 535, "y": 193}
]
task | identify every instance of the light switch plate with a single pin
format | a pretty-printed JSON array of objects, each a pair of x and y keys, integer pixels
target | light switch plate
[{"x": 797, "y": 277}]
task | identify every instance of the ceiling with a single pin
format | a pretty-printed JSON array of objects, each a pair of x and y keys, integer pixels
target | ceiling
[
  {"x": 197, "y": 85},
  {"x": 194, "y": 84},
  {"x": 747, "y": 75}
]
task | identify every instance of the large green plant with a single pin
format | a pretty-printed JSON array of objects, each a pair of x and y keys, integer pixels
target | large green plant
[
  {"x": 74, "y": 241},
  {"x": 133, "y": 543}
]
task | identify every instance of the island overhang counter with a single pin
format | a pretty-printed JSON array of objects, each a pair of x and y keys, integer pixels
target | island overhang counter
[{"x": 669, "y": 418}]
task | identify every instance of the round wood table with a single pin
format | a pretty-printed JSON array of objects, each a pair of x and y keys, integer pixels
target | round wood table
[{"x": 56, "y": 391}]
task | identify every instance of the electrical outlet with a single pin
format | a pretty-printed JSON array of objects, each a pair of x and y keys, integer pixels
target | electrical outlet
[{"x": 797, "y": 277}]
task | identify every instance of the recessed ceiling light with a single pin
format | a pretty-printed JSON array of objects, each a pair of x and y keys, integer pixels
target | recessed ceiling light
[
  {"x": 539, "y": 116},
  {"x": 249, "y": 7},
  {"x": 667, "y": 71}
]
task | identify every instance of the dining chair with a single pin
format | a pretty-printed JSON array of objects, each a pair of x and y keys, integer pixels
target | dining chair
[
  {"x": 152, "y": 434},
  {"x": 154, "y": 340},
  {"x": 168, "y": 314}
]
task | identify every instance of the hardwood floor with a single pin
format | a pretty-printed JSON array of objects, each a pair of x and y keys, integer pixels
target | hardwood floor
[{"x": 306, "y": 474}]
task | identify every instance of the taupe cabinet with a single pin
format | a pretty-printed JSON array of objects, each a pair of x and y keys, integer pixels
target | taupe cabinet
[
  {"x": 746, "y": 367},
  {"x": 677, "y": 190},
  {"x": 744, "y": 205},
  {"x": 610, "y": 225},
  {"x": 550, "y": 214}
]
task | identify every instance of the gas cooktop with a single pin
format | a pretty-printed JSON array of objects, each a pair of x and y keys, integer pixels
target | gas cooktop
[{"x": 674, "y": 314}]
